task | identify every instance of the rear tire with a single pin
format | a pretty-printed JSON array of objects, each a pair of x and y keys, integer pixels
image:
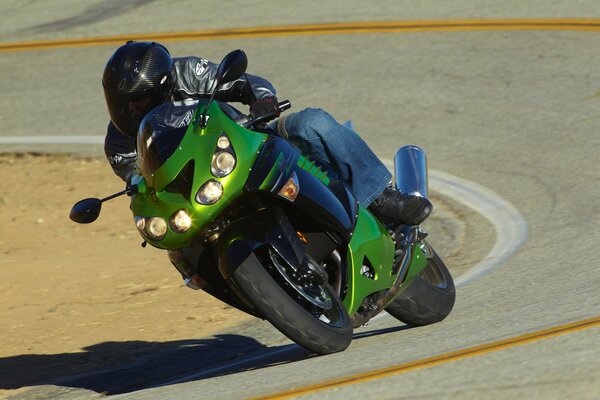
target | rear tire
[
  {"x": 320, "y": 330},
  {"x": 429, "y": 298}
]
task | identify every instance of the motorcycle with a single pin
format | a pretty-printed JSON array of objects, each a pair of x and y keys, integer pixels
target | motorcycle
[{"x": 247, "y": 218}]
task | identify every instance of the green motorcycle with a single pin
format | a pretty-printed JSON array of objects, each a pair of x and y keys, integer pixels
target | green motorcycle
[{"x": 247, "y": 218}]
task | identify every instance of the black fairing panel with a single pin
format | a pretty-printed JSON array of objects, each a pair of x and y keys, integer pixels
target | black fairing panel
[
  {"x": 200, "y": 261},
  {"x": 266, "y": 227},
  {"x": 332, "y": 205}
]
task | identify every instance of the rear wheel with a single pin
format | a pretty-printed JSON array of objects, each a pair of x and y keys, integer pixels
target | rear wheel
[
  {"x": 430, "y": 297},
  {"x": 308, "y": 313}
]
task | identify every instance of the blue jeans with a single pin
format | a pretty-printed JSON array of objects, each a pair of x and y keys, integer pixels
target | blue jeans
[{"x": 318, "y": 134}]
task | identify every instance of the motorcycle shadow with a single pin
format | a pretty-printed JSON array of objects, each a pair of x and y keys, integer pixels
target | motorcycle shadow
[
  {"x": 123, "y": 367},
  {"x": 365, "y": 333}
]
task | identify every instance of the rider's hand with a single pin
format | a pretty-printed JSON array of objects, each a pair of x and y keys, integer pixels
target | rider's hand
[{"x": 264, "y": 106}]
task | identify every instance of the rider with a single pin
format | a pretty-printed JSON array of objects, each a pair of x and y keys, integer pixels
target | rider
[{"x": 142, "y": 75}]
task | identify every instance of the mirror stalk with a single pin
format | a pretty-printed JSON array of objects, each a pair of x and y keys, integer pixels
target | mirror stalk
[
  {"x": 129, "y": 191},
  {"x": 232, "y": 67},
  {"x": 87, "y": 210}
]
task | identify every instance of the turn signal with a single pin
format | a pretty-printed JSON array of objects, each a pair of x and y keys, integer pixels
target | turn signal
[{"x": 291, "y": 188}]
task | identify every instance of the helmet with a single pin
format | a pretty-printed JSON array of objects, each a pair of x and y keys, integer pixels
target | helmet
[{"x": 136, "y": 79}]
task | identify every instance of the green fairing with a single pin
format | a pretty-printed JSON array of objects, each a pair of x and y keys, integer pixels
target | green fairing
[
  {"x": 199, "y": 145},
  {"x": 416, "y": 265},
  {"x": 304, "y": 163},
  {"x": 273, "y": 174},
  {"x": 371, "y": 241}
]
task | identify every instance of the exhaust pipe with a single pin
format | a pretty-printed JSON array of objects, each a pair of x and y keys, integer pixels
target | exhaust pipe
[
  {"x": 410, "y": 171},
  {"x": 410, "y": 175}
]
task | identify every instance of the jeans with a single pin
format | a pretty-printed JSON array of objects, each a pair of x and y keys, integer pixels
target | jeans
[{"x": 318, "y": 134}]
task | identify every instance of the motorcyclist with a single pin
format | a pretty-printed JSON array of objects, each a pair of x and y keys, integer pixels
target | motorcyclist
[{"x": 142, "y": 75}]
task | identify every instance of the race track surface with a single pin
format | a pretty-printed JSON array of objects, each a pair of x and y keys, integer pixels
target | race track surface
[{"x": 513, "y": 112}]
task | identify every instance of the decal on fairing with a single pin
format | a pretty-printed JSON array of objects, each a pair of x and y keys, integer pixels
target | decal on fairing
[{"x": 313, "y": 169}]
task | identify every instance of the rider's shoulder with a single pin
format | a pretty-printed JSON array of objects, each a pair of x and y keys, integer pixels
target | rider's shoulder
[{"x": 192, "y": 64}]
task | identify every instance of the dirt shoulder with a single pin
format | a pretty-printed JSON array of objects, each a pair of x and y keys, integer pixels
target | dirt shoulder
[{"x": 67, "y": 287}]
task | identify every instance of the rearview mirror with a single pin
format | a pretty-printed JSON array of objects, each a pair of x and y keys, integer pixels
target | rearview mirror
[
  {"x": 232, "y": 67},
  {"x": 86, "y": 211}
]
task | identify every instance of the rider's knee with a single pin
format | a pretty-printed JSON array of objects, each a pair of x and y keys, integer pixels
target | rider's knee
[{"x": 311, "y": 124}]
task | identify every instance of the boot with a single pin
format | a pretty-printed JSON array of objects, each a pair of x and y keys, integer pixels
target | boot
[{"x": 393, "y": 207}]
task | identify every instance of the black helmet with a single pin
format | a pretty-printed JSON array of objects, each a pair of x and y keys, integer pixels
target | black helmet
[{"x": 136, "y": 79}]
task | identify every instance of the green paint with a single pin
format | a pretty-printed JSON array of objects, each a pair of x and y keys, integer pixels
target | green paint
[
  {"x": 313, "y": 169},
  {"x": 198, "y": 145},
  {"x": 370, "y": 240}
]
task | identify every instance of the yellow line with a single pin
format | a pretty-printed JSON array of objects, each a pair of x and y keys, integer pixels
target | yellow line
[
  {"x": 441, "y": 359},
  {"x": 318, "y": 29}
]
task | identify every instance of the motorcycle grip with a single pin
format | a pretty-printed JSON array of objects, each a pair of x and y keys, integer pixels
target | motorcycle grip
[{"x": 284, "y": 105}]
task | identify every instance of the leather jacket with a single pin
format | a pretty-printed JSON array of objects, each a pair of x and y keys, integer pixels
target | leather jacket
[{"x": 193, "y": 78}]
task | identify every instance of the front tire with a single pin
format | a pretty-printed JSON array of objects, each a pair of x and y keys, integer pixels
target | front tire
[
  {"x": 313, "y": 327},
  {"x": 429, "y": 298}
]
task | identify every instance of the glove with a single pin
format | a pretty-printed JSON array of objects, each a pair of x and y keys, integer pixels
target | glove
[{"x": 264, "y": 106}]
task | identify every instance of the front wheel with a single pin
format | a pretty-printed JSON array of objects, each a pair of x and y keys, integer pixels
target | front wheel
[
  {"x": 310, "y": 314},
  {"x": 430, "y": 296}
]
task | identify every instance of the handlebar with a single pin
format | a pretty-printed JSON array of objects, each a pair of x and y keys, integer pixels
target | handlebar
[
  {"x": 281, "y": 107},
  {"x": 284, "y": 105}
]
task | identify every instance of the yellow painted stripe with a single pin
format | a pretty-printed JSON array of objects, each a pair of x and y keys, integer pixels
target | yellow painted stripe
[
  {"x": 317, "y": 29},
  {"x": 441, "y": 359}
]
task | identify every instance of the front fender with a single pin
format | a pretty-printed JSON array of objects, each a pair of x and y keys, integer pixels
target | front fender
[{"x": 266, "y": 227}]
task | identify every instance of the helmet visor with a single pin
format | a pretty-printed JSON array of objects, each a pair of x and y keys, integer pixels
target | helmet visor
[{"x": 127, "y": 111}]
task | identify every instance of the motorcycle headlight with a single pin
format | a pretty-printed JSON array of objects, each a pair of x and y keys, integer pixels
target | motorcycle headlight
[
  {"x": 222, "y": 164},
  {"x": 210, "y": 192},
  {"x": 180, "y": 221},
  {"x": 156, "y": 228},
  {"x": 140, "y": 223},
  {"x": 223, "y": 142}
]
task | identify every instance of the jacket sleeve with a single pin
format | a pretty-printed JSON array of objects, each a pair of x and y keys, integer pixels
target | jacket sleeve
[
  {"x": 195, "y": 78},
  {"x": 120, "y": 152}
]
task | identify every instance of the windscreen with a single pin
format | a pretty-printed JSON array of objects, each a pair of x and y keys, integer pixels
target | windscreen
[{"x": 160, "y": 133}]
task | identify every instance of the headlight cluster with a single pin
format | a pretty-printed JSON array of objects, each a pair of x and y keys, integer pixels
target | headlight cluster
[
  {"x": 155, "y": 228},
  {"x": 223, "y": 163},
  {"x": 180, "y": 221},
  {"x": 210, "y": 192}
]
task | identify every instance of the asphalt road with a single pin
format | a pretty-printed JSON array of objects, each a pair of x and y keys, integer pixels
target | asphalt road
[{"x": 515, "y": 111}]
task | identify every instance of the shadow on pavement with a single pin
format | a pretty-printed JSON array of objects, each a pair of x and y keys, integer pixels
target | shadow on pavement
[
  {"x": 382, "y": 331},
  {"x": 122, "y": 367}
]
